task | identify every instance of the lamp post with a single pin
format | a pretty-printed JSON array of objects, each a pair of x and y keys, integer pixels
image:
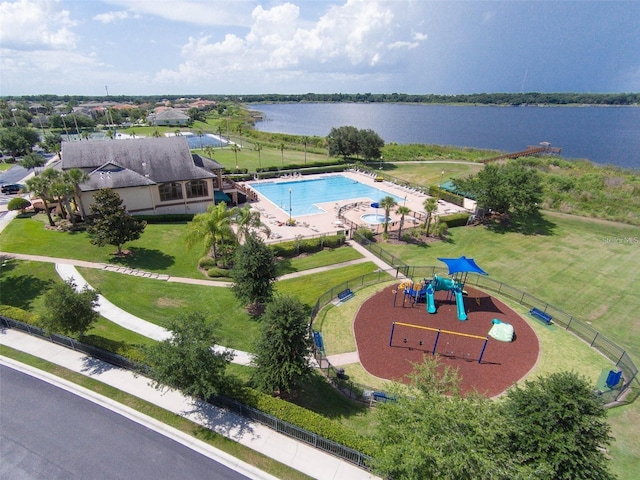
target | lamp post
[
  {"x": 289, "y": 206},
  {"x": 440, "y": 184},
  {"x": 381, "y": 160}
]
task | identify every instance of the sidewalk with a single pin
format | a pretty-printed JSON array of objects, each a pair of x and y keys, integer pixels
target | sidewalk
[{"x": 286, "y": 450}]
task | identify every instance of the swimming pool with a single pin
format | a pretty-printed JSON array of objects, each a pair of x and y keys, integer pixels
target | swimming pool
[{"x": 302, "y": 196}]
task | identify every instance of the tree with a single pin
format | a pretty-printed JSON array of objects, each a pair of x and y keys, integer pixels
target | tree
[
  {"x": 431, "y": 431},
  {"x": 247, "y": 221},
  {"x": 12, "y": 141},
  {"x": 68, "y": 310},
  {"x": 558, "y": 426},
  {"x": 71, "y": 179},
  {"x": 387, "y": 203},
  {"x": 235, "y": 148},
  {"x": 110, "y": 222},
  {"x": 258, "y": 148},
  {"x": 305, "y": 142},
  {"x": 212, "y": 229},
  {"x": 51, "y": 143},
  {"x": 32, "y": 160},
  {"x": 506, "y": 189},
  {"x": 284, "y": 346},
  {"x": 402, "y": 211},
  {"x": 370, "y": 144},
  {"x": 254, "y": 272},
  {"x": 186, "y": 360},
  {"x": 40, "y": 186},
  {"x": 281, "y": 147},
  {"x": 430, "y": 207},
  {"x": 343, "y": 141},
  {"x": 18, "y": 203}
]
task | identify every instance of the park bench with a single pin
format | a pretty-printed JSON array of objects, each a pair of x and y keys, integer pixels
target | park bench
[
  {"x": 345, "y": 295},
  {"x": 317, "y": 339},
  {"x": 539, "y": 314}
]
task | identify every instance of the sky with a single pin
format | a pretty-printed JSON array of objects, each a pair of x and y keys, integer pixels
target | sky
[{"x": 235, "y": 47}]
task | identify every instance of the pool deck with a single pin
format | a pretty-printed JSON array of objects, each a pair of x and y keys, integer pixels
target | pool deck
[{"x": 328, "y": 222}]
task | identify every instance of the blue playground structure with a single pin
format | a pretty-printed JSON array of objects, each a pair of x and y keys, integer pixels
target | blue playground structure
[{"x": 424, "y": 291}]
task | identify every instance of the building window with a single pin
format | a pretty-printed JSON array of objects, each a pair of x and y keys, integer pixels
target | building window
[
  {"x": 170, "y": 191},
  {"x": 197, "y": 188}
]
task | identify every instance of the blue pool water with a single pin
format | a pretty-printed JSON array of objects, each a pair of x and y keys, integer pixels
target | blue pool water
[{"x": 306, "y": 194}]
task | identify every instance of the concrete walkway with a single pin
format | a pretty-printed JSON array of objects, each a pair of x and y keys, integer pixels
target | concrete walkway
[
  {"x": 257, "y": 437},
  {"x": 299, "y": 456}
]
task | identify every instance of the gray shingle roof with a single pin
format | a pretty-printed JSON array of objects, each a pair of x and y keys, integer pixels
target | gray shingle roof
[{"x": 135, "y": 162}]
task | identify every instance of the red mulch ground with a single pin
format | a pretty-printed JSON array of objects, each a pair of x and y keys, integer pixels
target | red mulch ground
[{"x": 502, "y": 365}]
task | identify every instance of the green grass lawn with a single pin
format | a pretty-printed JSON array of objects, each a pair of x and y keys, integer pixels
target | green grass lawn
[
  {"x": 586, "y": 268},
  {"x": 320, "y": 259},
  {"x": 158, "y": 302},
  {"x": 430, "y": 173},
  {"x": 160, "y": 248},
  {"x": 309, "y": 287}
]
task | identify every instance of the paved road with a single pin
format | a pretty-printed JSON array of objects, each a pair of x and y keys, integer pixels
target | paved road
[{"x": 49, "y": 433}]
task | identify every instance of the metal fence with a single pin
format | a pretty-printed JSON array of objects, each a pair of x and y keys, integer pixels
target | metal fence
[
  {"x": 596, "y": 340},
  {"x": 310, "y": 438}
]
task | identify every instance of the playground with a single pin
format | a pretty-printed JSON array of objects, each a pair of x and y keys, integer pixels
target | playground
[{"x": 400, "y": 325}]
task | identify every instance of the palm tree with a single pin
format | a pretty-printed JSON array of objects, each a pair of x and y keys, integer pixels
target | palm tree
[
  {"x": 236, "y": 149},
  {"x": 200, "y": 133},
  {"x": 220, "y": 134},
  {"x": 281, "y": 147},
  {"x": 402, "y": 211},
  {"x": 430, "y": 206},
  {"x": 156, "y": 133},
  {"x": 74, "y": 177},
  {"x": 305, "y": 141},
  {"x": 40, "y": 186},
  {"x": 247, "y": 220},
  {"x": 258, "y": 148},
  {"x": 387, "y": 203},
  {"x": 211, "y": 228}
]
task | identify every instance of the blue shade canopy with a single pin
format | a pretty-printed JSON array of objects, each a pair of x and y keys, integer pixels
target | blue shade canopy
[{"x": 462, "y": 264}]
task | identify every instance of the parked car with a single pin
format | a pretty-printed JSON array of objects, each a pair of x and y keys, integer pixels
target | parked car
[{"x": 11, "y": 188}]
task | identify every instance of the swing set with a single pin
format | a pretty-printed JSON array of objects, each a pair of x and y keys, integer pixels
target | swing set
[{"x": 438, "y": 331}]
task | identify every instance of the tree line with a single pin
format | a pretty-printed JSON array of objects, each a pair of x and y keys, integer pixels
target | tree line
[{"x": 496, "y": 98}]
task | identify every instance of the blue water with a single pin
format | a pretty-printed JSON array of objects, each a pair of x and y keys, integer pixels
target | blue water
[
  {"x": 305, "y": 194},
  {"x": 605, "y": 135}
]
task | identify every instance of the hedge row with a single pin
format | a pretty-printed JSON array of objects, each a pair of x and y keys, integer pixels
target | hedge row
[
  {"x": 306, "y": 419},
  {"x": 166, "y": 218},
  {"x": 437, "y": 192},
  {"x": 455, "y": 219},
  {"x": 294, "y": 248}
]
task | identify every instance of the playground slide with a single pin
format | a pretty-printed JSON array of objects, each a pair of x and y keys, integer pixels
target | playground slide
[
  {"x": 462, "y": 315},
  {"x": 431, "y": 304}
]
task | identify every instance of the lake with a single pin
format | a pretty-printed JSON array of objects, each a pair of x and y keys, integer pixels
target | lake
[{"x": 605, "y": 135}]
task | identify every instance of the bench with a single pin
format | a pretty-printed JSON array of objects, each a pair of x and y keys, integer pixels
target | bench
[
  {"x": 539, "y": 314},
  {"x": 345, "y": 295},
  {"x": 317, "y": 339}
]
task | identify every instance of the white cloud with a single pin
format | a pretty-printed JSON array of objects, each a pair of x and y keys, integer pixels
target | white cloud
[
  {"x": 354, "y": 36},
  {"x": 113, "y": 17},
  {"x": 197, "y": 12},
  {"x": 27, "y": 24}
]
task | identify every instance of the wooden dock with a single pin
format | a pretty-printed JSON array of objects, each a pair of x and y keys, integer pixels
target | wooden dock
[{"x": 544, "y": 148}]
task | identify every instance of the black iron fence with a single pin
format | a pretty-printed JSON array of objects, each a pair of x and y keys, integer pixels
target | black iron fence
[
  {"x": 345, "y": 453},
  {"x": 596, "y": 340}
]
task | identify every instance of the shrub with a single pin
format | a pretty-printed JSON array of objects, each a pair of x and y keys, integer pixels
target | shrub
[
  {"x": 166, "y": 218},
  {"x": 366, "y": 233},
  {"x": 18, "y": 314},
  {"x": 207, "y": 263},
  {"x": 455, "y": 220},
  {"x": 18, "y": 203},
  {"x": 216, "y": 272},
  {"x": 303, "y": 418}
]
